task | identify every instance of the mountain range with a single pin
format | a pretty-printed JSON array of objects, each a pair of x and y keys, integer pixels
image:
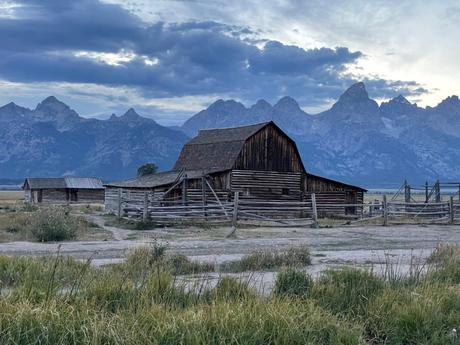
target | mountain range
[{"x": 356, "y": 141}]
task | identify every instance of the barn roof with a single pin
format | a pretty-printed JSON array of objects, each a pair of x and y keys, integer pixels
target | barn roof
[
  {"x": 156, "y": 180},
  {"x": 215, "y": 149},
  {"x": 83, "y": 182},
  {"x": 63, "y": 182},
  {"x": 338, "y": 182}
]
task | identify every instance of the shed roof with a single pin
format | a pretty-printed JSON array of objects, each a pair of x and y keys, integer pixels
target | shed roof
[
  {"x": 215, "y": 149},
  {"x": 63, "y": 182},
  {"x": 156, "y": 180}
]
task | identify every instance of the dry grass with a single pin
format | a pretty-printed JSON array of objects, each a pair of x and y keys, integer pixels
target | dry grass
[
  {"x": 11, "y": 196},
  {"x": 26, "y": 223},
  {"x": 60, "y": 301}
]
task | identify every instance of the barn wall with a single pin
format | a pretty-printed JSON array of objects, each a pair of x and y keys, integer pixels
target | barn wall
[
  {"x": 28, "y": 196},
  {"x": 95, "y": 196},
  {"x": 267, "y": 185},
  {"x": 269, "y": 149},
  {"x": 54, "y": 196},
  {"x": 220, "y": 183}
]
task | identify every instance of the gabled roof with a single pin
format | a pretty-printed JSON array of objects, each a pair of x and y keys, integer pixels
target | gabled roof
[
  {"x": 63, "y": 182},
  {"x": 215, "y": 149}
]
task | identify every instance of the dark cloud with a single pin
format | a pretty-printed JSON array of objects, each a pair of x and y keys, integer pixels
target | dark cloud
[{"x": 194, "y": 58}]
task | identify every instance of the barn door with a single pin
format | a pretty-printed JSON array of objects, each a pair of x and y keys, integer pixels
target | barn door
[
  {"x": 40, "y": 195},
  {"x": 73, "y": 195},
  {"x": 350, "y": 198}
]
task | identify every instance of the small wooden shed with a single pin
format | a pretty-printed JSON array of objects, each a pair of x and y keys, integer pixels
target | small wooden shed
[
  {"x": 259, "y": 161},
  {"x": 54, "y": 190}
]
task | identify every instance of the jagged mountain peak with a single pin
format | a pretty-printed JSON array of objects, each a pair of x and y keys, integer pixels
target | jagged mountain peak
[
  {"x": 356, "y": 91},
  {"x": 400, "y": 100},
  {"x": 51, "y": 102},
  {"x": 451, "y": 101},
  {"x": 51, "y": 99},
  {"x": 287, "y": 104},
  {"x": 355, "y": 100},
  {"x": 262, "y": 103},
  {"x": 131, "y": 113},
  {"x": 225, "y": 104},
  {"x": 262, "y": 109}
]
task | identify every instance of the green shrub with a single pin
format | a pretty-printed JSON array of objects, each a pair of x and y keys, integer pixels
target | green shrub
[
  {"x": 230, "y": 289},
  {"x": 178, "y": 264},
  {"x": 425, "y": 315},
  {"x": 347, "y": 291},
  {"x": 444, "y": 264},
  {"x": 268, "y": 259},
  {"x": 55, "y": 224},
  {"x": 16, "y": 222},
  {"x": 154, "y": 256},
  {"x": 292, "y": 282}
]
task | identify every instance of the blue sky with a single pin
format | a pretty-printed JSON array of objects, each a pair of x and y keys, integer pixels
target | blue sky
[{"x": 169, "y": 59}]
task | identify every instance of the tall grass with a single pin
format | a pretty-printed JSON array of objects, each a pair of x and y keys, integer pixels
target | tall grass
[
  {"x": 61, "y": 301},
  {"x": 259, "y": 260},
  {"x": 54, "y": 223}
]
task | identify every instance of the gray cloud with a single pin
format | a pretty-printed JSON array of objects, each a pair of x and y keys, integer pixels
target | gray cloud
[{"x": 194, "y": 58}]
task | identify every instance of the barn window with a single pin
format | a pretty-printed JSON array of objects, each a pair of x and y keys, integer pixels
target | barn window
[{"x": 285, "y": 191}]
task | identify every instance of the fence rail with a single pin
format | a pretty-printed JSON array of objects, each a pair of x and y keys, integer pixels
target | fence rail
[{"x": 283, "y": 213}]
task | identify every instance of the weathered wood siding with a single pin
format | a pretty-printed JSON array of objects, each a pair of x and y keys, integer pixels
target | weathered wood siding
[
  {"x": 64, "y": 195},
  {"x": 90, "y": 196},
  {"x": 329, "y": 202},
  {"x": 269, "y": 185},
  {"x": 52, "y": 196},
  {"x": 269, "y": 149}
]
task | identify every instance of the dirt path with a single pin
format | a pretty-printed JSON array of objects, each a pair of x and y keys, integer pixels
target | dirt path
[
  {"x": 117, "y": 233},
  {"x": 365, "y": 245}
]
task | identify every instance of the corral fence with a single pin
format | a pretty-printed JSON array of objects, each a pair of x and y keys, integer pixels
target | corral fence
[{"x": 233, "y": 210}]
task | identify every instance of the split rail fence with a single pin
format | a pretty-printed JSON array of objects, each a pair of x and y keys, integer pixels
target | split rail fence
[{"x": 235, "y": 210}]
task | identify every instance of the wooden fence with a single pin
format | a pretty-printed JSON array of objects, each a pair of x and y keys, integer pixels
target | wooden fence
[{"x": 232, "y": 210}]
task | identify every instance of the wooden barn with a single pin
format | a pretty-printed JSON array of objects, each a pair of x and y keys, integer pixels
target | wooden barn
[
  {"x": 63, "y": 190},
  {"x": 259, "y": 161}
]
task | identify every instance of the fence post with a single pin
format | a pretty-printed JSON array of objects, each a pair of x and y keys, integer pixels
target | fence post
[
  {"x": 184, "y": 191},
  {"x": 203, "y": 196},
  {"x": 235, "y": 209},
  {"x": 451, "y": 210},
  {"x": 145, "y": 210},
  {"x": 235, "y": 214},
  {"x": 119, "y": 204},
  {"x": 406, "y": 192},
  {"x": 314, "y": 210},
  {"x": 426, "y": 192},
  {"x": 385, "y": 210},
  {"x": 438, "y": 191}
]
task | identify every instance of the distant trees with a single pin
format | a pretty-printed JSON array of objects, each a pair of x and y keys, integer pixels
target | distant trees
[{"x": 147, "y": 169}]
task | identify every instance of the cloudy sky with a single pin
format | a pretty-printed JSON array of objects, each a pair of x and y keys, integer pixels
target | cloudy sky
[{"x": 169, "y": 59}]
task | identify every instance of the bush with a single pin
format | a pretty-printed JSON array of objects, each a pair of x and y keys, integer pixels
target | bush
[
  {"x": 347, "y": 291},
  {"x": 230, "y": 289},
  {"x": 445, "y": 264},
  {"x": 16, "y": 222},
  {"x": 154, "y": 256},
  {"x": 54, "y": 224},
  {"x": 267, "y": 259},
  {"x": 292, "y": 282},
  {"x": 426, "y": 315}
]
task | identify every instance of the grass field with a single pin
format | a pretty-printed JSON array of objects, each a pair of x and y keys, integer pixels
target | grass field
[
  {"x": 7, "y": 196},
  {"x": 59, "y": 301}
]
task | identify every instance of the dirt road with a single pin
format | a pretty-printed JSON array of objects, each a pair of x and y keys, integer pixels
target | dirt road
[{"x": 364, "y": 245}]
